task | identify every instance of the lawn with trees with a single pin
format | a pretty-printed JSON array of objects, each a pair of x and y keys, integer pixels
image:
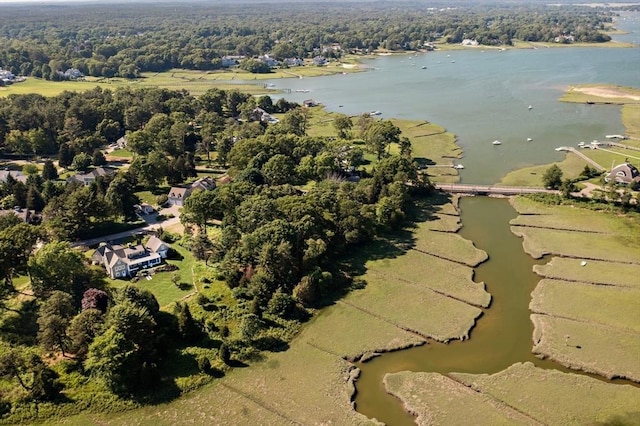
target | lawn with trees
[{"x": 248, "y": 286}]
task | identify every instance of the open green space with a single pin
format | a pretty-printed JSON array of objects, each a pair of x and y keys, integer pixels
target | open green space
[
  {"x": 596, "y": 272},
  {"x": 612, "y": 306},
  {"x": 585, "y": 312},
  {"x": 195, "y": 82},
  {"x": 576, "y": 219},
  {"x": 420, "y": 270},
  {"x": 450, "y": 247},
  {"x": 431, "y": 396},
  {"x": 617, "y": 248},
  {"x": 607, "y": 351},
  {"x": 552, "y": 397},
  {"x": 531, "y": 176}
]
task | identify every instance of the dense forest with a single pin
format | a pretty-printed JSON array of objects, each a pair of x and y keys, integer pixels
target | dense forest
[
  {"x": 70, "y": 340},
  {"x": 106, "y": 41}
]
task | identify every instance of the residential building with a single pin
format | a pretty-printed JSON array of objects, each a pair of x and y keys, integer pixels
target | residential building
[
  {"x": 87, "y": 178},
  {"x": 19, "y": 176},
  {"x": 125, "y": 261},
  {"x": 177, "y": 195},
  {"x": 26, "y": 215},
  {"x": 624, "y": 173}
]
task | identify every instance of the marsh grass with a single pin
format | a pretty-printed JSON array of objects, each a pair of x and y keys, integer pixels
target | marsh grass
[
  {"x": 612, "y": 306},
  {"x": 431, "y": 396},
  {"x": 552, "y": 397},
  {"x": 609, "y": 273},
  {"x": 607, "y": 351}
]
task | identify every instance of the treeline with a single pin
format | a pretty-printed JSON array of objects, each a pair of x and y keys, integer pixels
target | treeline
[{"x": 104, "y": 41}]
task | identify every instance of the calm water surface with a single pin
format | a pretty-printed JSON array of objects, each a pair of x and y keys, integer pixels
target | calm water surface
[{"x": 484, "y": 95}]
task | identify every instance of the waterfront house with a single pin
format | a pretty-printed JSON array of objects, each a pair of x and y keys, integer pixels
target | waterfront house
[
  {"x": 125, "y": 261},
  {"x": 624, "y": 173}
]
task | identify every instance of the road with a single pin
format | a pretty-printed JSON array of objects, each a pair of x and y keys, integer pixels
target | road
[{"x": 152, "y": 224}]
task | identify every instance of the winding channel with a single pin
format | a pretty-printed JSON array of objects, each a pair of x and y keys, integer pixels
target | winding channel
[{"x": 502, "y": 335}]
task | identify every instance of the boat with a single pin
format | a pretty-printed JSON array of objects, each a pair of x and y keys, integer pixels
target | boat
[
  {"x": 529, "y": 139},
  {"x": 496, "y": 142},
  {"x": 458, "y": 166},
  {"x": 530, "y": 107},
  {"x": 424, "y": 67},
  {"x": 302, "y": 90},
  {"x": 375, "y": 113}
]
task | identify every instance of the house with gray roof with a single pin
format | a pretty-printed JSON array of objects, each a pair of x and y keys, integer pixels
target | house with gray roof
[
  {"x": 624, "y": 173},
  {"x": 87, "y": 178},
  {"x": 125, "y": 261},
  {"x": 19, "y": 176}
]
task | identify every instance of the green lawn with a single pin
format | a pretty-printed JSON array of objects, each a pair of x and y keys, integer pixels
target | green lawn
[
  {"x": 125, "y": 153},
  {"x": 161, "y": 285}
]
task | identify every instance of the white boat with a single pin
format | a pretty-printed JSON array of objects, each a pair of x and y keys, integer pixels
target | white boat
[
  {"x": 375, "y": 113},
  {"x": 529, "y": 139},
  {"x": 496, "y": 142},
  {"x": 424, "y": 67},
  {"x": 458, "y": 166},
  {"x": 530, "y": 107},
  {"x": 302, "y": 90}
]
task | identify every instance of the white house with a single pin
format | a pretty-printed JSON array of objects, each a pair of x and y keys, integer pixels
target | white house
[
  {"x": 87, "y": 178},
  {"x": 124, "y": 261}
]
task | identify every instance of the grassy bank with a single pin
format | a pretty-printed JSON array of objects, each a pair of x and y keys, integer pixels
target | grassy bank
[
  {"x": 521, "y": 394},
  {"x": 585, "y": 312},
  {"x": 195, "y": 82}
]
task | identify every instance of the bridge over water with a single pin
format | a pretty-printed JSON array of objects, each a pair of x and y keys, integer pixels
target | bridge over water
[{"x": 472, "y": 189}]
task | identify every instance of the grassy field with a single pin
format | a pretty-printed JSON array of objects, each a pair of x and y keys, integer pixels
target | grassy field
[
  {"x": 196, "y": 82},
  {"x": 612, "y": 306},
  {"x": 419, "y": 270},
  {"x": 608, "y": 273},
  {"x": 607, "y": 351},
  {"x": 432, "y": 396},
  {"x": 555, "y": 398},
  {"x": 450, "y": 247},
  {"x": 595, "y": 302},
  {"x": 617, "y": 248},
  {"x": 576, "y": 219},
  {"x": 161, "y": 284},
  {"x": 631, "y": 121},
  {"x": 571, "y": 168}
]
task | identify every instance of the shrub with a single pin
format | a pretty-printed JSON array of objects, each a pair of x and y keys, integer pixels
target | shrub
[{"x": 162, "y": 199}]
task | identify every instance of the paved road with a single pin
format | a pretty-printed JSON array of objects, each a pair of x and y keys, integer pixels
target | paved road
[{"x": 152, "y": 224}]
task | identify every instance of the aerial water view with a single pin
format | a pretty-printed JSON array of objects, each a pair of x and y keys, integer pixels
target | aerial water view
[{"x": 313, "y": 213}]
